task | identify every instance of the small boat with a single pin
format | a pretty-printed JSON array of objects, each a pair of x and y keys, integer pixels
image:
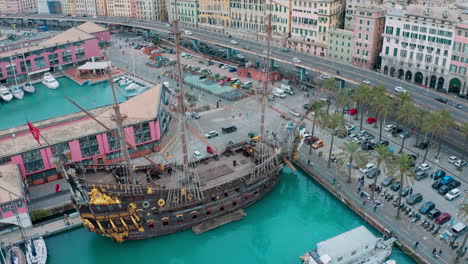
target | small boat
[
  {"x": 5, "y": 94},
  {"x": 36, "y": 251},
  {"x": 125, "y": 82},
  {"x": 28, "y": 87},
  {"x": 49, "y": 81},
  {"x": 390, "y": 261},
  {"x": 358, "y": 245},
  {"x": 132, "y": 86},
  {"x": 17, "y": 92},
  {"x": 117, "y": 79},
  {"x": 15, "y": 256}
]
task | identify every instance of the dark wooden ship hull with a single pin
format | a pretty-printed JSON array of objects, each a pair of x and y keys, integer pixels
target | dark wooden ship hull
[{"x": 123, "y": 216}]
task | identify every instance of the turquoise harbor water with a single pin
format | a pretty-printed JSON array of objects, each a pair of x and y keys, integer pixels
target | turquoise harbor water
[
  {"x": 277, "y": 230},
  {"x": 47, "y": 103}
]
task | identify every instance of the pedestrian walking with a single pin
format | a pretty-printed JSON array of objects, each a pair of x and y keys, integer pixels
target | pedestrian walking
[
  {"x": 233, "y": 116},
  {"x": 434, "y": 252},
  {"x": 359, "y": 189},
  {"x": 334, "y": 181},
  {"x": 440, "y": 251},
  {"x": 375, "y": 208},
  {"x": 308, "y": 162},
  {"x": 416, "y": 244},
  {"x": 364, "y": 203}
]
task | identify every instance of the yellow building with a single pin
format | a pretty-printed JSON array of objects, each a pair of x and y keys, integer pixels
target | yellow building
[
  {"x": 215, "y": 13},
  {"x": 119, "y": 8},
  {"x": 101, "y": 7}
]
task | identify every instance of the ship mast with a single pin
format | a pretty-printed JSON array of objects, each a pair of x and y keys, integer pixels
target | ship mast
[{"x": 267, "y": 77}]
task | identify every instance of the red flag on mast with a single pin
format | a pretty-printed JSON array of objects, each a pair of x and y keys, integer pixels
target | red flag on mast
[{"x": 35, "y": 132}]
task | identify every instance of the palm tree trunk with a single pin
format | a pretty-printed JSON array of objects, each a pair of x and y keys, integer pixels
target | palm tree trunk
[
  {"x": 460, "y": 249},
  {"x": 417, "y": 138},
  {"x": 331, "y": 147},
  {"x": 402, "y": 144},
  {"x": 438, "y": 149},
  {"x": 362, "y": 117},
  {"x": 427, "y": 149},
  {"x": 313, "y": 130},
  {"x": 380, "y": 132},
  {"x": 375, "y": 181},
  {"x": 349, "y": 169},
  {"x": 399, "y": 196},
  {"x": 328, "y": 102}
]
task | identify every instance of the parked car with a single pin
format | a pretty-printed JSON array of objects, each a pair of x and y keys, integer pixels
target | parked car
[
  {"x": 296, "y": 60},
  {"x": 452, "y": 194},
  {"x": 383, "y": 142},
  {"x": 211, "y": 134},
  {"x": 447, "y": 179},
  {"x": 387, "y": 181},
  {"x": 317, "y": 144},
  {"x": 405, "y": 191},
  {"x": 460, "y": 163},
  {"x": 405, "y": 134},
  {"x": 325, "y": 76},
  {"x": 310, "y": 139},
  {"x": 368, "y": 167},
  {"x": 188, "y": 32},
  {"x": 452, "y": 159},
  {"x": 426, "y": 207},
  {"x": 232, "y": 70},
  {"x": 196, "y": 115},
  {"x": 436, "y": 185},
  {"x": 414, "y": 198},
  {"x": 234, "y": 42},
  {"x": 443, "y": 218},
  {"x": 389, "y": 128},
  {"x": 350, "y": 127},
  {"x": 372, "y": 173},
  {"x": 228, "y": 129},
  {"x": 210, "y": 150},
  {"x": 444, "y": 189},
  {"x": 434, "y": 213},
  {"x": 197, "y": 154},
  {"x": 424, "y": 167},
  {"x": 438, "y": 174},
  {"x": 421, "y": 175},
  {"x": 285, "y": 49},
  {"x": 306, "y": 106},
  {"x": 366, "y": 81},
  {"x": 423, "y": 145},
  {"x": 371, "y": 120},
  {"x": 396, "y": 186},
  {"x": 368, "y": 146}
]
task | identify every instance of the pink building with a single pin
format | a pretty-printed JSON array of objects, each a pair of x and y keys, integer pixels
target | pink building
[
  {"x": 20, "y": 6},
  {"x": 369, "y": 24},
  {"x": 12, "y": 196},
  {"x": 66, "y": 48},
  {"x": 89, "y": 143},
  {"x": 99, "y": 32},
  {"x": 459, "y": 61}
]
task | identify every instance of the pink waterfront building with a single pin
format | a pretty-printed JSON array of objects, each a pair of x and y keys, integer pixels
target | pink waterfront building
[
  {"x": 12, "y": 196},
  {"x": 20, "y": 6},
  {"x": 459, "y": 61},
  {"x": 61, "y": 51},
  {"x": 99, "y": 32},
  {"x": 146, "y": 120},
  {"x": 369, "y": 24}
]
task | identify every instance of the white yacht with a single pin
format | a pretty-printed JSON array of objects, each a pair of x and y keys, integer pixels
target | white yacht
[
  {"x": 28, "y": 87},
  {"x": 132, "y": 86},
  {"x": 5, "y": 94},
  {"x": 49, "y": 81},
  {"x": 125, "y": 82},
  {"x": 17, "y": 92},
  {"x": 15, "y": 256},
  {"x": 36, "y": 251},
  {"x": 358, "y": 245},
  {"x": 117, "y": 79}
]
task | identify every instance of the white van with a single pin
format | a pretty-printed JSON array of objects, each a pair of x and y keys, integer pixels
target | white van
[
  {"x": 458, "y": 228},
  {"x": 279, "y": 93},
  {"x": 248, "y": 84},
  {"x": 287, "y": 89}
]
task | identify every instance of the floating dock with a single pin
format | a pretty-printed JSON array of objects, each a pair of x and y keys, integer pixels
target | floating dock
[{"x": 217, "y": 222}]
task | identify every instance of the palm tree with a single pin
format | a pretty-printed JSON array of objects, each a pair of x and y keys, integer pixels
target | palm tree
[
  {"x": 437, "y": 125},
  {"x": 431, "y": 126},
  {"x": 379, "y": 90},
  {"x": 343, "y": 100},
  {"x": 316, "y": 108},
  {"x": 352, "y": 152},
  {"x": 419, "y": 119},
  {"x": 381, "y": 155},
  {"x": 404, "y": 98},
  {"x": 330, "y": 85},
  {"x": 382, "y": 106},
  {"x": 333, "y": 122},
  {"x": 405, "y": 115},
  {"x": 447, "y": 122},
  {"x": 362, "y": 96},
  {"x": 400, "y": 166},
  {"x": 463, "y": 213}
]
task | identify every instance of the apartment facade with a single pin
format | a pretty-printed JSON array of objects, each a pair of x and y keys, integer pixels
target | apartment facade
[
  {"x": 418, "y": 45},
  {"x": 248, "y": 15},
  {"x": 121, "y": 8},
  {"x": 86, "y": 7},
  {"x": 311, "y": 21},
  {"x": 20, "y": 6},
  {"x": 340, "y": 44},
  {"x": 459, "y": 61},
  {"x": 368, "y": 29},
  {"x": 68, "y": 7},
  {"x": 187, "y": 11},
  {"x": 215, "y": 13},
  {"x": 151, "y": 10},
  {"x": 351, "y": 7},
  {"x": 101, "y": 7}
]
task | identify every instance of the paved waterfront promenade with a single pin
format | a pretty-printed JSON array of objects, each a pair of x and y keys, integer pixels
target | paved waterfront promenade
[
  {"x": 43, "y": 230},
  {"x": 383, "y": 218}
]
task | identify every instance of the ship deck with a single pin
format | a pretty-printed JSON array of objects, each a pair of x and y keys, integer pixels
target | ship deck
[{"x": 211, "y": 172}]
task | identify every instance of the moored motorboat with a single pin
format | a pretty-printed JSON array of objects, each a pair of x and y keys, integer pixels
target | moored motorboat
[
  {"x": 28, "y": 87},
  {"x": 15, "y": 256},
  {"x": 5, "y": 94},
  {"x": 50, "y": 81},
  {"x": 132, "y": 86},
  {"x": 125, "y": 82},
  {"x": 36, "y": 251},
  {"x": 358, "y": 245},
  {"x": 117, "y": 79},
  {"x": 17, "y": 92}
]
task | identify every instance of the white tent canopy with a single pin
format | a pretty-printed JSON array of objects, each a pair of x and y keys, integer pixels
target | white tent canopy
[{"x": 101, "y": 65}]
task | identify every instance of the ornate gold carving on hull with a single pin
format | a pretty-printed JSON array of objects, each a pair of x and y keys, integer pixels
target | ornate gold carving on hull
[
  {"x": 98, "y": 198},
  {"x": 88, "y": 224},
  {"x": 132, "y": 208},
  {"x": 119, "y": 237}
]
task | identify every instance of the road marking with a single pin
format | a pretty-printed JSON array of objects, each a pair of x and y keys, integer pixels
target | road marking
[{"x": 168, "y": 143}]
